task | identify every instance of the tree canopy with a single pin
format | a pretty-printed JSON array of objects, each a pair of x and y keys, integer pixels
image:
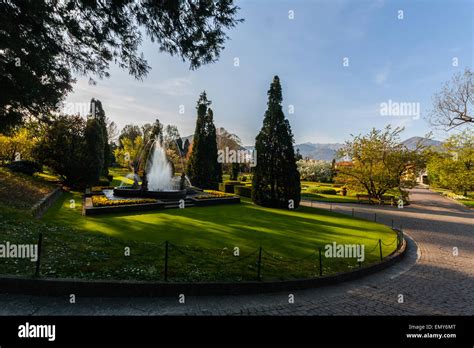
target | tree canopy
[
  {"x": 453, "y": 106},
  {"x": 379, "y": 162},
  {"x": 43, "y": 44},
  {"x": 453, "y": 167}
]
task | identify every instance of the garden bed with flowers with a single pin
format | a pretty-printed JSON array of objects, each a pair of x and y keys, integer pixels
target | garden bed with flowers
[{"x": 212, "y": 197}]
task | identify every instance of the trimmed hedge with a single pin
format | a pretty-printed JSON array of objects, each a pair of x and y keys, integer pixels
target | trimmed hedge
[
  {"x": 322, "y": 190},
  {"x": 232, "y": 182},
  {"x": 243, "y": 191},
  {"x": 226, "y": 188},
  {"x": 228, "y": 185}
]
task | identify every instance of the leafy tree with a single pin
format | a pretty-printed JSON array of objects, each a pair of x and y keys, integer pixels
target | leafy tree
[
  {"x": 453, "y": 167},
  {"x": 112, "y": 131},
  {"x": 17, "y": 146},
  {"x": 174, "y": 146},
  {"x": 42, "y": 43},
  {"x": 314, "y": 170},
  {"x": 276, "y": 180},
  {"x": 203, "y": 168},
  {"x": 172, "y": 138},
  {"x": 128, "y": 151},
  {"x": 453, "y": 106},
  {"x": 231, "y": 141},
  {"x": 62, "y": 149},
  {"x": 131, "y": 132},
  {"x": 379, "y": 162}
]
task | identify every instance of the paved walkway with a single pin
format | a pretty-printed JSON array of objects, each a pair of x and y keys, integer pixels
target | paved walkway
[{"x": 431, "y": 279}]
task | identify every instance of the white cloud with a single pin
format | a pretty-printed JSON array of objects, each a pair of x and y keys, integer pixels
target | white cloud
[{"x": 382, "y": 75}]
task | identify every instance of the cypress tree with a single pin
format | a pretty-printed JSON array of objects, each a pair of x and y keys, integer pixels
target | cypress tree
[
  {"x": 203, "y": 168},
  {"x": 98, "y": 113},
  {"x": 93, "y": 151},
  {"x": 214, "y": 168},
  {"x": 276, "y": 180}
]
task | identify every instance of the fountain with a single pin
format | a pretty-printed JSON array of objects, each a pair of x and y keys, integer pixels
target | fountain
[{"x": 158, "y": 180}]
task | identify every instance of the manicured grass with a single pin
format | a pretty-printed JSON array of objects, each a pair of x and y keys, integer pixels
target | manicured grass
[
  {"x": 202, "y": 241},
  {"x": 204, "y": 238},
  {"x": 339, "y": 198},
  {"x": 329, "y": 198},
  {"x": 351, "y": 196}
]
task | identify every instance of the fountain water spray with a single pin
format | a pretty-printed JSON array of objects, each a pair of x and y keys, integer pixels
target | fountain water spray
[{"x": 159, "y": 171}]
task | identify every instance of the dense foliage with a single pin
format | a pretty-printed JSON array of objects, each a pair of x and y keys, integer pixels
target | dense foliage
[
  {"x": 276, "y": 180},
  {"x": 203, "y": 169},
  {"x": 44, "y": 43},
  {"x": 315, "y": 170},
  {"x": 379, "y": 163},
  {"x": 453, "y": 167}
]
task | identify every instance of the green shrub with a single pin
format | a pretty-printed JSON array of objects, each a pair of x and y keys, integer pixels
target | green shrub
[
  {"x": 231, "y": 182},
  {"x": 25, "y": 167},
  {"x": 224, "y": 187},
  {"x": 322, "y": 190},
  {"x": 243, "y": 191}
]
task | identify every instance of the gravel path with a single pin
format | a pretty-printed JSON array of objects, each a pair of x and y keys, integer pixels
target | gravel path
[{"x": 432, "y": 279}]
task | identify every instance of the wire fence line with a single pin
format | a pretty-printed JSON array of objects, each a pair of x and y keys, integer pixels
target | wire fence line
[
  {"x": 346, "y": 208},
  {"x": 171, "y": 261}
]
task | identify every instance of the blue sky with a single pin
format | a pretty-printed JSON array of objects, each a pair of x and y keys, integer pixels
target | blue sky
[{"x": 403, "y": 60}]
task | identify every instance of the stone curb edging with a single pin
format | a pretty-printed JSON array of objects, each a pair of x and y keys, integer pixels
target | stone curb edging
[
  {"x": 40, "y": 207},
  {"x": 101, "y": 288}
]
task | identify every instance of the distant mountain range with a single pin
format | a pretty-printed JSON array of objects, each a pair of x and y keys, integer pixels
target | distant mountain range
[
  {"x": 327, "y": 152},
  {"x": 413, "y": 141}
]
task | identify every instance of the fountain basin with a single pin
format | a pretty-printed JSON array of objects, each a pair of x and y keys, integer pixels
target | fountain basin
[{"x": 132, "y": 192}]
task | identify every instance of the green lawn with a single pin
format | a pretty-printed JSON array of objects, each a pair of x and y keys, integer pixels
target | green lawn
[
  {"x": 205, "y": 238},
  {"x": 331, "y": 198},
  {"x": 328, "y": 198},
  {"x": 202, "y": 241},
  {"x": 338, "y": 198}
]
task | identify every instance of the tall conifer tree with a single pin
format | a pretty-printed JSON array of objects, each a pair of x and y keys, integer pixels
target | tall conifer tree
[
  {"x": 276, "y": 181},
  {"x": 203, "y": 169}
]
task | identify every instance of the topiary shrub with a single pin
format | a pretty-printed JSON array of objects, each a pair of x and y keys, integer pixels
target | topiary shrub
[
  {"x": 25, "y": 167},
  {"x": 243, "y": 191}
]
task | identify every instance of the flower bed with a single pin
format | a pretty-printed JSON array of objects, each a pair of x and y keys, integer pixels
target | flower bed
[
  {"x": 102, "y": 201},
  {"x": 212, "y": 194},
  {"x": 100, "y": 188}
]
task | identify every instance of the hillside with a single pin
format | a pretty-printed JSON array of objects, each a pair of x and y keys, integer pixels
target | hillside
[{"x": 21, "y": 191}]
